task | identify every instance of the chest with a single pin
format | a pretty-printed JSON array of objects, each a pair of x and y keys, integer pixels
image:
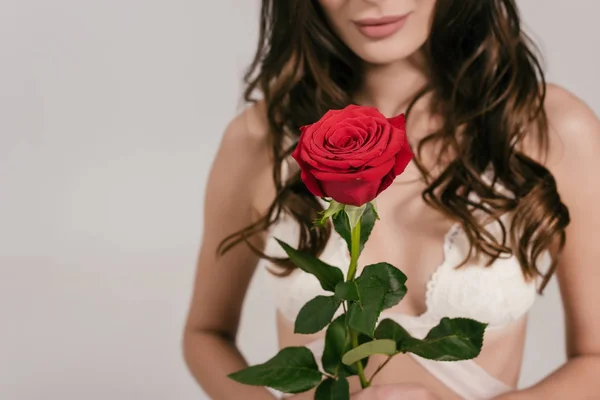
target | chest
[{"x": 427, "y": 247}]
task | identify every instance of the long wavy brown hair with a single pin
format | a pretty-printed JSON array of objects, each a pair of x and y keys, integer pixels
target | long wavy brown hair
[{"x": 488, "y": 86}]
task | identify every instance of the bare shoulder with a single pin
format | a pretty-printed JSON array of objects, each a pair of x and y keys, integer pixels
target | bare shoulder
[
  {"x": 574, "y": 131},
  {"x": 569, "y": 115},
  {"x": 247, "y": 133},
  {"x": 255, "y": 119},
  {"x": 243, "y": 163}
]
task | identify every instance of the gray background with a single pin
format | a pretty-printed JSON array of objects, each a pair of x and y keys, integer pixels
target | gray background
[{"x": 110, "y": 114}]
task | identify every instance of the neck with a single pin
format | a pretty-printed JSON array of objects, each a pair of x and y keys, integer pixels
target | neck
[{"x": 392, "y": 87}]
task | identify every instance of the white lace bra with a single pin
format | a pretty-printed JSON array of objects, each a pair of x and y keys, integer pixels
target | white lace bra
[{"x": 497, "y": 294}]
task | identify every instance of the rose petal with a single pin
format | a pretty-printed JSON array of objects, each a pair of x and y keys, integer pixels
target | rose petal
[
  {"x": 396, "y": 140},
  {"x": 386, "y": 182},
  {"x": 403, "y": 158},
  {"x": 311, "y": 183},
  {"x": 309, "y": 180},
  {"x": 352, "y": 154},
  {"x": 398, "y": 122},
  {"x": 369, "y": 174},
  {"x": 321, "y": 163},
  {"x": 379, "y": 152},
  {"x": 355, "y": 193},
  {"x": 346, "y": 134},
  {"x": 333, "y": 164}
]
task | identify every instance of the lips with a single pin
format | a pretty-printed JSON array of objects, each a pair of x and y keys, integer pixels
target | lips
[{"x": 379, "y": 28}]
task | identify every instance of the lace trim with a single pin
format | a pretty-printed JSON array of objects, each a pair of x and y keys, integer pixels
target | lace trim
[{"x": 449, "y": 240}]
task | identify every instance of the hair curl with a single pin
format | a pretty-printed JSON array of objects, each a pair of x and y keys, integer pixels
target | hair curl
[{"x": 489, "y": 90}]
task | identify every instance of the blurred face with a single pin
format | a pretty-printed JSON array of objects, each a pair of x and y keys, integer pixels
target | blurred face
[{"x": 380, "y": 31}]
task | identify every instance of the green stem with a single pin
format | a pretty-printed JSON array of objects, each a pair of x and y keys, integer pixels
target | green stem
[
  {"x": 354, "y": 253},
  {"x": 359, "y": 366}
]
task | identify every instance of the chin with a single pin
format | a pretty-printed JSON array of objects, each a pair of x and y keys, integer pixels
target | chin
[
  {"x": 381, "y": 54},
  {"x": 385, "y": 52}
]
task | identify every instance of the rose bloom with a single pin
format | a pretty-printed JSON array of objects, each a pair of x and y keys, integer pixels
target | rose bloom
[{"x": 352, "y": 155}]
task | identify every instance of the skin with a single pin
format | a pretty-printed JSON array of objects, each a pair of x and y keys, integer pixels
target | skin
[{"x": 240, "y": 189}]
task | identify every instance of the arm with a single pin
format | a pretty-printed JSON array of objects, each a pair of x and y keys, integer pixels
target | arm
[
  {"x": 575, "y": 130},
  {"x": 238, "y": 181}
]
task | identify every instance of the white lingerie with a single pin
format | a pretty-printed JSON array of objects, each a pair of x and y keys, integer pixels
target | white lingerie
[{"x": 497, "y": 295}]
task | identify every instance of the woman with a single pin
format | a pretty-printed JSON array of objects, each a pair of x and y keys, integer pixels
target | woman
[{"x": 504, "y": 183}]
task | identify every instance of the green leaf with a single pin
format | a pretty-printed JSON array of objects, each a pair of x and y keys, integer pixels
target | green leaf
[
  {"x": 389, "y": 329},
  {"x": 316, "y": 314},
  {"x": 451, "y": 340},
  {"x": 380, "y": 286},
  {"x": 374, "y": 209},
  {"x": 347, "y": 291},
  {"x": 341, "y": 223},
  {"x": 383, "y": 346},
  {"x": 333, "y": 209},
  {"x": 331, "y": 389},
  {"x": 328, "y": 275},
  {"x": 363, "y": 314},
  {"x": 393, "y": 279},
  {"x": 337, "y": 342},
  {"x": 292, "y": 370}
]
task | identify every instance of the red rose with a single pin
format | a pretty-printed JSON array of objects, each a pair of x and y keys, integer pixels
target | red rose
[{"x": 353, "y": 154}]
